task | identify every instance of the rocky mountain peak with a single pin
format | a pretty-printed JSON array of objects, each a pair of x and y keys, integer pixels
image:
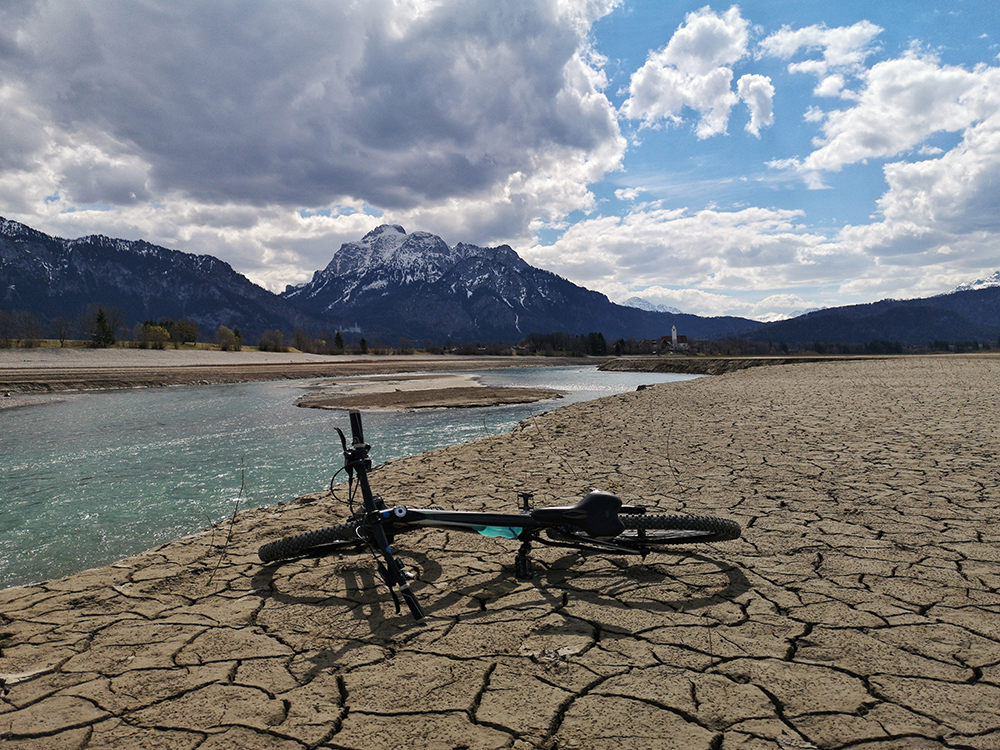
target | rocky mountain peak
[
  {"x": 987, "y": 283},
  {"x": 385, "y": 258},
  {"x": 11, "y": 228}
]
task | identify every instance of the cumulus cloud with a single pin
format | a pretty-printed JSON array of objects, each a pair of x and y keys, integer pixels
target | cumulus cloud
[
  {"x": 843, "y": 50},
  {"x": 954, "y": 193},
  {"x": 403, "y": 105},
  {"x": 695, "y": 71},
  {"x": 940, "y": 217},
  {"x": 751, "y": 249},
  {"x": 903, "y": 102},
  {"x": 935, "y": 225},
  {"x": 937, "y": 220},
  {"x": 758, "y": 93}
]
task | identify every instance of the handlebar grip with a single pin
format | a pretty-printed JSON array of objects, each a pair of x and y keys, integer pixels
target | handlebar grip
[
  {"x": 411, "y": 601},
  {"x": 357, "y": 432}
]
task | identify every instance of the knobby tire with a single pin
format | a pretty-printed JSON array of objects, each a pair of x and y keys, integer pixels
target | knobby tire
[
  {"x": 678, "y": 529},
  {"x": 343, "y": 536}
]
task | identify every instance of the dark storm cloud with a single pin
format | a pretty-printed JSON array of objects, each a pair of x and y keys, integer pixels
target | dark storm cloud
[{"x": 299, "y": 103}]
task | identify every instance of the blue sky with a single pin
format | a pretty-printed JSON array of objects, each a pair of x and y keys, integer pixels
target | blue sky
[{"x": 756, "y": 159}]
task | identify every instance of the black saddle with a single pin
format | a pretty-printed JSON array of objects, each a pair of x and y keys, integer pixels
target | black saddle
[{"x": 596, "y": 515}]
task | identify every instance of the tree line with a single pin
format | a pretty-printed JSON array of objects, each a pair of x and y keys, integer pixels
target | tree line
[{"x": 103, "y": 326}]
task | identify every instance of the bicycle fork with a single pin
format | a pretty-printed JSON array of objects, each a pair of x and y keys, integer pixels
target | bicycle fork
[{"x": 390, "y": 567}]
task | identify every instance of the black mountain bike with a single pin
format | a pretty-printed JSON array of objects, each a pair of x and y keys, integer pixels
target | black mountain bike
[{"x": 597, "y": 523}]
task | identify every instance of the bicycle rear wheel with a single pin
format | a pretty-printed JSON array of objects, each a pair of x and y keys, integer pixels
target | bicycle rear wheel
[
  {"x": 676, "y": 529},
  {"x": 340, "y": 538}
]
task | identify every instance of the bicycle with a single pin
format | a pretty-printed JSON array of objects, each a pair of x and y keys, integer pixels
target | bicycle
[{"x": 597, "y": 523}]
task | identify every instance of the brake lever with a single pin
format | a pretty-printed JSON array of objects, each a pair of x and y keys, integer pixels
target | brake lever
[{"x": 347, "y": 459}]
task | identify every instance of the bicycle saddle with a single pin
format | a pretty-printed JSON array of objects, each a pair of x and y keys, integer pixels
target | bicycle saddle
[{"x": 596, "y": 515}]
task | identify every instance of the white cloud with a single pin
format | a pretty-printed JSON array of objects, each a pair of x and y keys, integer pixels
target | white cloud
[
  {"x": 938, "y": 220},
  {"x": 938, "y": 215},
  {"x": 955, "y": 193},
  {"x": 713, "y": 304},
  {"x": 844, "y": 48},
  {"x": 752, "y": 249},
  {"x": 628, "y": 194},
  {"x": 830, "y": 86},
  {"x": 695, "y": 71},
  {"x": 758, "y": 93},
  {"x": 905, "y": 101}
]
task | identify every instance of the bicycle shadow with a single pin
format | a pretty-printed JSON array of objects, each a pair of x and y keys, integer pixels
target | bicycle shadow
[
  {"x": 563, "y": 581},
  {"x": 557, "y": 583}
]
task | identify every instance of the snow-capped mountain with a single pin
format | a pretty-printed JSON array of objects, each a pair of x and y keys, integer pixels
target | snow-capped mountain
[
  {"x": 642, "y": 304},
  {"x": 775, "y": 317},
  {"x": 387, "y": 256},
  {"x": 987, "y": 283},
  {"x": 416, "y": 286}
]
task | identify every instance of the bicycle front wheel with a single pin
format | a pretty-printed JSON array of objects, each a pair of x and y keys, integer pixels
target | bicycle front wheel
[
  {"x": 340, "y": 538},
  {"x": 677, "y": 529}
]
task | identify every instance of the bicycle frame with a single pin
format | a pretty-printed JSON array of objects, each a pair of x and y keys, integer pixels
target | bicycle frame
[{"x": 379, "y": 521}]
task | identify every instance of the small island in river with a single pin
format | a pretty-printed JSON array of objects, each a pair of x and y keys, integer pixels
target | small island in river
[{"x": 436, "y": 391}]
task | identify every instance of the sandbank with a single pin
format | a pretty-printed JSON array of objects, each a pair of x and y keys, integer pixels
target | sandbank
[{"x": 440, "y": 391}]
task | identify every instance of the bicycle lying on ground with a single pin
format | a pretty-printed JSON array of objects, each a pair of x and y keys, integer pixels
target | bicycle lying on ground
[{"x": 597, "y": 523}]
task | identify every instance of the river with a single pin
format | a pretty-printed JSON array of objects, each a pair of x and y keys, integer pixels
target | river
[{"x": 101, "y": 476}]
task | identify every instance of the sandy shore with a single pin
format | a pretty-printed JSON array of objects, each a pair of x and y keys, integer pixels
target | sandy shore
[{"x": 861, "y": 609}]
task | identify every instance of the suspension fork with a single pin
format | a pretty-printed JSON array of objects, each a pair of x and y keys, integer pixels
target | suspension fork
[{"x": 392, "y": 569}]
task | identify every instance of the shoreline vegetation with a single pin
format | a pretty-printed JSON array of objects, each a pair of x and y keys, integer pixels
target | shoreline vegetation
[{"x": 859, "y": 606}]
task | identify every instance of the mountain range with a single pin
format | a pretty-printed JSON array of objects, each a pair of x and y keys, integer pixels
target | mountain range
[
  {"x": 987, "y": 283},
  {"x": 645, "y": 304},
  {"x": 387, "y": 286},
  {"x": 392, "y": 284}
]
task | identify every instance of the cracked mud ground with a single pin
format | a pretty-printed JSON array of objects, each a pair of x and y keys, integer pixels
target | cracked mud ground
[{"x": 860, "y": 610}]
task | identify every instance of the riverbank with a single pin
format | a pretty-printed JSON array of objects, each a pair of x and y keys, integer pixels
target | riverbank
[
  {"x": 681, "y": 364},
  {"x": 26, "y": 375},
  {"x": 861, "y": 608}
]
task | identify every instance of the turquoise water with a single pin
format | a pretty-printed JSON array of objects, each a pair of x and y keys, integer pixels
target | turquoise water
[{"x": 101, "y": 476}]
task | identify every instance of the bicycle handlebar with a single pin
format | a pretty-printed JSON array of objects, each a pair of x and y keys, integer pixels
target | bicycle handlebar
[{"x": 357, "y": 432}]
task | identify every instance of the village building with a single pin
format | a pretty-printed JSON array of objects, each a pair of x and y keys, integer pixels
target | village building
[{"x": 671, "y": 343}]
